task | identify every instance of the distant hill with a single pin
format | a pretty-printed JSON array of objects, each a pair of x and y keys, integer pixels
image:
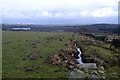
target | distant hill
[{"x": 104, "y": 28}]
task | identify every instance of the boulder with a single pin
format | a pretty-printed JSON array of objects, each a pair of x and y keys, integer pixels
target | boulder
[
  {"x": 77, "y": 74},
  {"x": 87, "y": 65}
]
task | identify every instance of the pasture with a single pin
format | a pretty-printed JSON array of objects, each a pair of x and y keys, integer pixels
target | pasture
[{"x": 24, "y": 54}]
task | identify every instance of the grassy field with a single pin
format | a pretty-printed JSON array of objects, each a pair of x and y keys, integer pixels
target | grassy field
[{"x": 17, "y": 45}]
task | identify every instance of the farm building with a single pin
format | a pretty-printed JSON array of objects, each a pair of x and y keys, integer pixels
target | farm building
[{"x": 20, "y": 29}]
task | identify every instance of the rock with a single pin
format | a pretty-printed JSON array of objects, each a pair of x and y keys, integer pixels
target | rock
[
  {"x": 87, "y": 65},
  {"x": 56, "y": 60},
  {"x": 71, "y": 62},
  {"x": 86, "y": 70},
  {"x": 102, "y": 77},
  {"x": 101, "y": 72},
  {"x": 93, "y": 76},
  {"x": 70, "y": 67},
  {"x": 101, "y": 68},
  {"x": 94, "y": 72},
  {"x": 77, "y": 74}
]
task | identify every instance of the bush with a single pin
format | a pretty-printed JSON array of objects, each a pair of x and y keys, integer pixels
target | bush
[{"x": 116, "y": 43}]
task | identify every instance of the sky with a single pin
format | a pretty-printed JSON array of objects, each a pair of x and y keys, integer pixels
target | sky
[{"x": 59, "y": 11}]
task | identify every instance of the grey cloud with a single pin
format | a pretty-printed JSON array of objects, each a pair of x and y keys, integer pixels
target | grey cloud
[{"x": 59, "y": 11}]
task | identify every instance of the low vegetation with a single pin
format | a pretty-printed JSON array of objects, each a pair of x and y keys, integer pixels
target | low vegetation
[
  {"x": 40, "y": 54},
  {"x": 25, "y": 53}
]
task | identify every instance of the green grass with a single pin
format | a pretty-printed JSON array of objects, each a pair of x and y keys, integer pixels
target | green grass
[
  {"x": 17, "y": 45},
  {"x": 108, "y": 54},
  {"x": 103, "y": 51}
]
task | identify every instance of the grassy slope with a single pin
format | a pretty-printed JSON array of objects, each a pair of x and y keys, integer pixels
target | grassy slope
[
  {"x": 18, "y": 44},
  {"x": 105, "y": 54}
]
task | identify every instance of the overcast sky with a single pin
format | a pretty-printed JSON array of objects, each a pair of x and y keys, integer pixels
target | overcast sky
[{"x": 59, "y": 11}]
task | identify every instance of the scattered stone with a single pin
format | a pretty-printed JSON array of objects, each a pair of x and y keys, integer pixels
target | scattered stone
[{"x": 67, "y": 57}]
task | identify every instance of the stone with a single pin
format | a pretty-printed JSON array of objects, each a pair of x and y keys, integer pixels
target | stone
[
  {"x": 87, "y": 65},
  {"x": 71, "y": 62},
  {"x": 93, "y": 76},
  {"x": 86, "y": 70},
  {"x": 94, "y": 72},
  {"x": 101, "y": 72},
  {"x": 101, "y": 68},
  {"x": 77, "y": 74},
  {"x": 102, "y": 77},
  {"x": 70, "y": 67}
]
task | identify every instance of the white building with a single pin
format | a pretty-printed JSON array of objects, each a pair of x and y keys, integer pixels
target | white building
[{"x": 21, "y": 29}]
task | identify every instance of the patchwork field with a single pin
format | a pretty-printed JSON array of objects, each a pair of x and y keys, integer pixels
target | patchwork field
[{"x": 25, "y": 53}]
